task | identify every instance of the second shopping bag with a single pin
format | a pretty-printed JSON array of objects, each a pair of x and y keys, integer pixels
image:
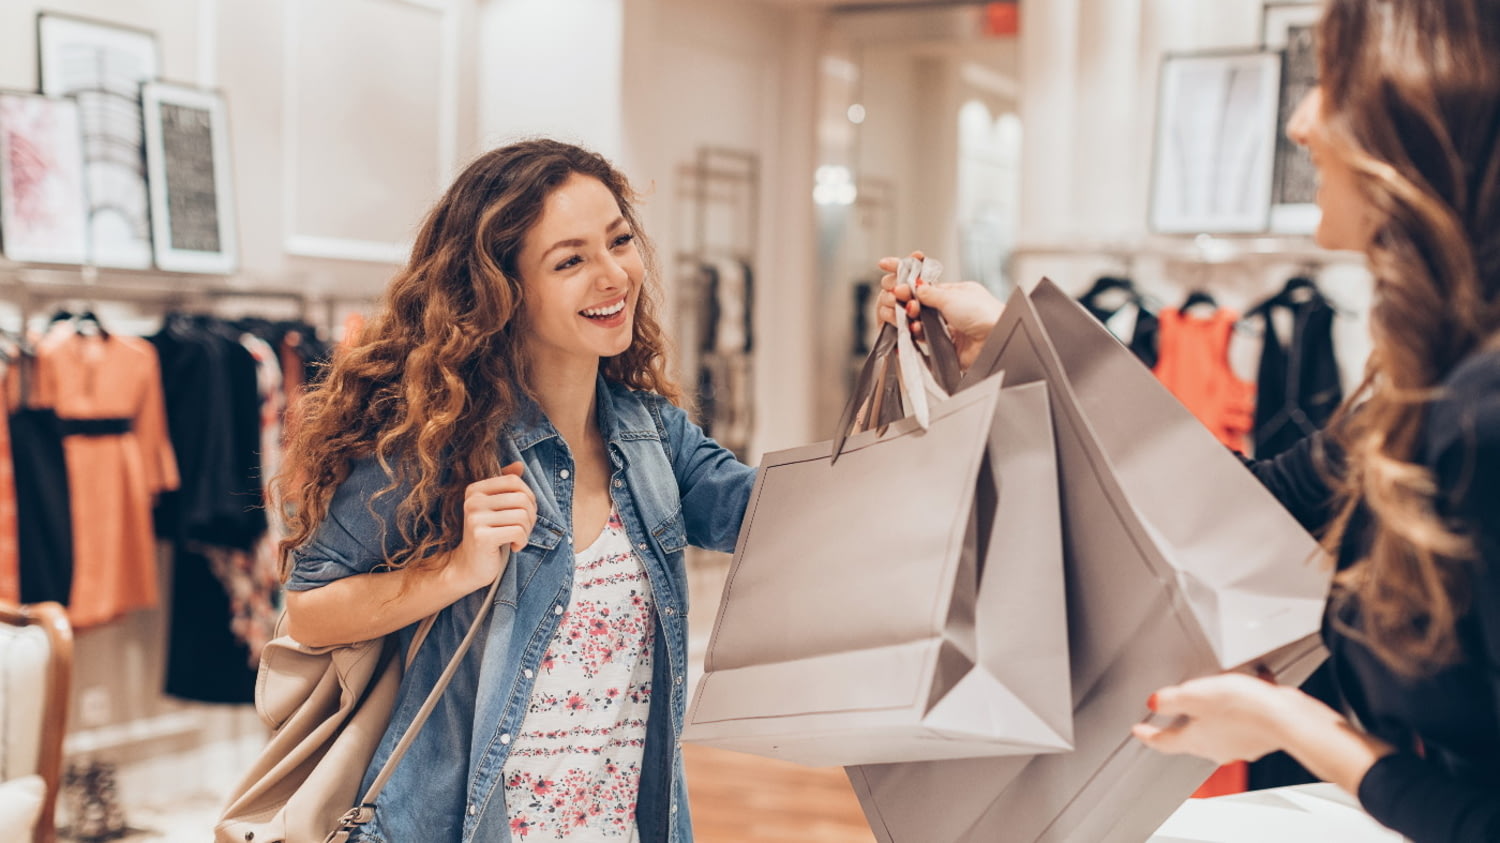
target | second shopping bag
[{"x": 868, "y": 615}]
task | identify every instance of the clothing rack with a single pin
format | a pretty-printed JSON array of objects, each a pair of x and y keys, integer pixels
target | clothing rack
[
  {"x": 1204, "y": 249},
  {"x": 33, "y": 287}
]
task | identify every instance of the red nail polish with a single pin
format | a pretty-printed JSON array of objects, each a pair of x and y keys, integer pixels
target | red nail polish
[
  {"x": 1151, "y": 702},
  {"x": 920, "y": 282}
]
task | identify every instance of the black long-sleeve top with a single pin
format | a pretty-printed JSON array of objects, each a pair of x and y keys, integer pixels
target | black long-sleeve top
[{"x": 1443, "y": 782}]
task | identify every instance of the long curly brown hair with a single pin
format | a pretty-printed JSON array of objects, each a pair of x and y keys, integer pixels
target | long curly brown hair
[
  {"x": 442, "y": 366},
  {"x": 1411, "y": 91}
]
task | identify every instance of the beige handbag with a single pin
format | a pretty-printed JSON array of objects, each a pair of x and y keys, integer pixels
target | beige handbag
[{"x": 328, "y": 708}]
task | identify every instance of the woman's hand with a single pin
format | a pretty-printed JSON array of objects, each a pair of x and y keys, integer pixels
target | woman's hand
[
  {"x": 498, "y": 512},
  {"x": 1225, "y": 718},
  {"x": 1235, "y": 717},
  {"x": 970, "y": 310}
]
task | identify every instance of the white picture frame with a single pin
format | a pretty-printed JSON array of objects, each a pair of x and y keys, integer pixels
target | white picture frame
[
  {"x": 1289, "y": 28},
  {"x": 43, "y": 204},
  {"x": 102, "y": 66},
  {"x": 193, "y": 222},
  {"x": 1215, "y": 149}
]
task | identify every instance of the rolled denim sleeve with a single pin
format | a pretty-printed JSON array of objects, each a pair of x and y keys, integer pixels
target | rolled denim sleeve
[
  {"x": 713, "y": 484},
  {"x": 356, "y": 535}
]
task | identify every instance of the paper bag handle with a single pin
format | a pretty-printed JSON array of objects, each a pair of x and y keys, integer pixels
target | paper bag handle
[{"x": 944, "y": 368}]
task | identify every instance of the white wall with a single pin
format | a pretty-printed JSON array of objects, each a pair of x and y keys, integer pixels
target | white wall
[{"x": 552, "y": 68}]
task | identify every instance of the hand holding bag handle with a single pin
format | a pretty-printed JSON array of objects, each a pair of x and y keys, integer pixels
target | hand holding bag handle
[
  {"x": 943, "y": 368},
  {"x": 365, "y": 810}
]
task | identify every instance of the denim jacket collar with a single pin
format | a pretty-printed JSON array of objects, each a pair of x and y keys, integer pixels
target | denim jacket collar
[{"x": 619, "y": 421}]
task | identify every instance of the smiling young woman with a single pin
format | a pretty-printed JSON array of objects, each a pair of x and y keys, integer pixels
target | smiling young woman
[{"x": 513, "y": 392}]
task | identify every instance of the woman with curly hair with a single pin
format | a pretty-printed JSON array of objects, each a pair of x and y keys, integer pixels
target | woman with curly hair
[
  {"x": 513, "y": 392},
  {"x": 1405, "y": 483}
]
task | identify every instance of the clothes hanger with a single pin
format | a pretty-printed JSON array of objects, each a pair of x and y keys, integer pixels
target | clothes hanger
[
  {"x": 1198, "y": 298},
  {"x": 1106, "y": 284}
]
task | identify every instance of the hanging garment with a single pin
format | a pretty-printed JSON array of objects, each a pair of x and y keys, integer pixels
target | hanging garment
[
  {"x": 106, "y": 391},
  {"x": 1299, "y": 385},
  {"x": 205, "y": 661},
  {"x": 1131, "y": 321},
  {"x": 10, "y": 552},
  {"x": 44, "y": 523},
  {"x": 212, "y": 387},
  {"x": 1193, "y": 362}
]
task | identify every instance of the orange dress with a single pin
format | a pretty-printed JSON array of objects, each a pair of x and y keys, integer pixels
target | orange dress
[
  {"x": 1193, "y": 362},
  {"x": 108, "y": 390}
]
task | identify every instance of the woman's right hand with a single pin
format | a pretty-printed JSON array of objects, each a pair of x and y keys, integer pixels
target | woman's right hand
[
  {"x": 498, "y": 512},
  {"x": 970, "y": 310}
]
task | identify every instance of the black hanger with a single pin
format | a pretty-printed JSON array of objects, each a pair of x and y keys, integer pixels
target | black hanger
[
  {"x": 1298, "y": 290},
  {"x": 89, "y": 322},
  {"x": 62, "y": 314},
  {"x": 1106, "y": 284},
  {"x": 1196, "y": 298}
]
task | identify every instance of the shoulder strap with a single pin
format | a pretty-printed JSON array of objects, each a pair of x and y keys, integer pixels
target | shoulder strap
[{"x": 365, "y": 809}]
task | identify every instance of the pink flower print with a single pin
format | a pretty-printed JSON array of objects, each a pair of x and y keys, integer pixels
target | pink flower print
[
  {"x": 576, "y": 703},
  {"x": 548, "y": 662},
  {"x": 519, "y": 825},
  {"x": 541, "y": 787},
  {"x": 598, "y": 626},
  {"x": 612, "y": 693}
]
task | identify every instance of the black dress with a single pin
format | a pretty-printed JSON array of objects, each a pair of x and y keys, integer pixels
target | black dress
[
  {"x": 1443, "y": 782},
  {"x": 1297, "y": 386}
]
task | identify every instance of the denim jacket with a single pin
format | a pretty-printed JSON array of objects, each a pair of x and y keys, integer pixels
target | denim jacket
[{"x": 671, "y": 485}]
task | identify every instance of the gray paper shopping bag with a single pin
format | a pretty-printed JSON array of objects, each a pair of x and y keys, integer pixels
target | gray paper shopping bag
[
  {"x": 868, "y": 617},
  {"x": 1178, "y": 564}
]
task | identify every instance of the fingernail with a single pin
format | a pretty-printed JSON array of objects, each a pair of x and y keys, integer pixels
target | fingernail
[
  {"x": 921, "y": 283},
  {"x": 1151, "y": 702}
]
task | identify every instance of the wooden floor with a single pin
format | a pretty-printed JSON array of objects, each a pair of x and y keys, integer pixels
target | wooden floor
[{"x": 739, "y": 798}]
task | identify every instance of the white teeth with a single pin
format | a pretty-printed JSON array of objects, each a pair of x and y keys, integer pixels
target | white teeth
[{"x": 606, "y": 311}]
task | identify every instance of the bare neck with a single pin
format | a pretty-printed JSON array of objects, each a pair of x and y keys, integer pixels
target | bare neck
[{"x": 568, "y": 398}]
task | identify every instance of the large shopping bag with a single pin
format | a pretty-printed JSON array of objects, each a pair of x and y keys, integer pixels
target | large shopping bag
[
  {"x": 868, "y": 615},
  {"x": 1179, "y": 564}
]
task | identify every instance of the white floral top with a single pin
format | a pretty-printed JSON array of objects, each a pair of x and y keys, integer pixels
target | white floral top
[{"x": 575, "y": 768}]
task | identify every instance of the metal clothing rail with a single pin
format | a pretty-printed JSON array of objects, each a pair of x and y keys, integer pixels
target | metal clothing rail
[
  {"x": 33, "y": 286},
  {"x": 1204, "y": 248}
]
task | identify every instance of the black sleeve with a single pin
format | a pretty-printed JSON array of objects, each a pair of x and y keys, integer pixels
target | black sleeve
[
  {"x": 1415, "y": 797},
  {"x": 1297, "y": 478}
]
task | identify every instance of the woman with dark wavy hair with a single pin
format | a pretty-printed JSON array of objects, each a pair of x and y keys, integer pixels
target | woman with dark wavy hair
[
  {"x": 513, "y": 391},
  {"x": 1405, "y": 483}
]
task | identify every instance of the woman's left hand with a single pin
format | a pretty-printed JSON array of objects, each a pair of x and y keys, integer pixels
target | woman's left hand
[{"x": 1232, "y": 717}]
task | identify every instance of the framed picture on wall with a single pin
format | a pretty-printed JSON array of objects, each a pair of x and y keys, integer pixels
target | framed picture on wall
[
  {"x": 1289, "y": 29},
  {"x": 1215, "y": 143},
  {"x": 43, "y": 213},
  {"x": 102, "y": 66},
  {"x": 192, "y": 195}
]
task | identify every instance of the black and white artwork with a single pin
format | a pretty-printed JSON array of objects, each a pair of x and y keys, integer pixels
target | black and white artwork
[
  {"x": 1215, "y": 143},
  {"x": 187, "y": 157},
  {"x": 102, "y": 66},
  {"x": 1291, "y": 30}
]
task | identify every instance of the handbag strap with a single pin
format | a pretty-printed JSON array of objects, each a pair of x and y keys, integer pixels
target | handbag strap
[{"x": 365, "y": 811}]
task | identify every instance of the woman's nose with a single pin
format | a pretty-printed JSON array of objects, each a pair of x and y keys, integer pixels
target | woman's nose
[{"x": 1299, "y": 128}]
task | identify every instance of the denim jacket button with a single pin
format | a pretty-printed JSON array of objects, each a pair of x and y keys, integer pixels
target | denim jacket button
[
  {"x": 678, "y": 680},
  {"x": 472, "y": 810},
  {"x": 563, "y": 474},
  {"x": 642, "y": 545},
  {"x": 527, "y": 673},
  {"x": 505, "y": 739},
  {"x": 670, "y": 610},
  {"x": 619, "y": 484},
  {"x": 558, "y": 609}
]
